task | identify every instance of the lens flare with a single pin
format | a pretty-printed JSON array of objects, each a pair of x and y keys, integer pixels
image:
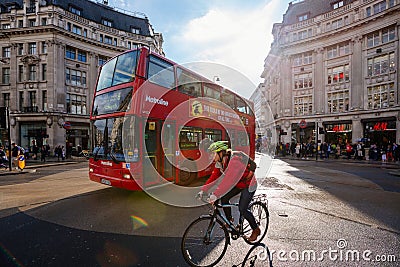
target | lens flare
[{"x": 138, "y": 222}]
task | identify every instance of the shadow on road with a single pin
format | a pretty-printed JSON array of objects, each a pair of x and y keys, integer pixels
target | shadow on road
[{"x": 109, "y": 227}]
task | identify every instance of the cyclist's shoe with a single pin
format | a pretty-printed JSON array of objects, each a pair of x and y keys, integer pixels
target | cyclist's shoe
[{"x": 253, "y": 237}]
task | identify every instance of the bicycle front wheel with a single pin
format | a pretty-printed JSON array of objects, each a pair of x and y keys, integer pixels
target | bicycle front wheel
[
  {"x": 261, "y": 214},
  {"x": 204, "y": 242}
]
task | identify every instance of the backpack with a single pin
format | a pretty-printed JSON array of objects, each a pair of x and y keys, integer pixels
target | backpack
[{"x": 251, "y": 165}]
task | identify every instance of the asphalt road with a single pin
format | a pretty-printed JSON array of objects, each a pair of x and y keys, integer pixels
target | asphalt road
[{"x": 57, "y": 217}]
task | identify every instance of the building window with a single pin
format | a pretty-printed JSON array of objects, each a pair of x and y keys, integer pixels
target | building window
[
  {"x": 44, "y": 100},
  {"x": 368, "y": 12},
  {"x": 302, "y": 17},
  {"x": 382, "y": 36},
  {"x": 44, "y": 72},
  {"x": 336, "y": 24},
  {"x": 32, "y": 23},
  {"x": 388, "y": 35},
  {"x": 382, "y": 64},
  {"x": 44, "y": 21},
  {"x": 303, "y": 81},
  {"x": 6, "y": 99},
  {"x": 32, "y": 72},
  {"x": 303, "y": 105},
  {"x": 101, "y": 61},
  {"x": 20, "y": 23},
  {"x": 6, "y": 76},
  {"x": 32, "y": 48},
  {"x": 135, "y": 30},
  {"x": 85, "y": 33},
  {"x": 6, "y": 26},
  {"x": 69, "y": 26},
  {"x": 44, "y": 48},
  {"x": 338, "y": 74},
  {"x": 107, "y": 39},
  {"x": 77, "y": 30},
  {"x": 76, "y": 104},
  {"x": 338, "y": 101},
  {"x": 381, "y": 96},
  {"x": 75, "y": 77},
  {"x": 21, "y": 100},
  {"x": 6, "y": 52},
  {"x": 302, "y": 59},
  {"x": 20, "y": 73},
  {"x": 70, "y": 52},
  {"x": 338, "y": 50},
  {"x": 74, "y": 10},
  {"x": 101, "y": 38},
  {"x": 32, "y": 99},
  {"x": 81, "y": 55},
  {"x": 20, "y": 49},
  {"x": 379, "y": 7},
  {"x": 337, "y": 5},
  {"x": 106, "y": 22}
]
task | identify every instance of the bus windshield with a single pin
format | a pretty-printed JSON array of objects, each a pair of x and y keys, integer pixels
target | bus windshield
[
  {"x": 115, "y": 139},
  {"x": 119, "y": 70}
]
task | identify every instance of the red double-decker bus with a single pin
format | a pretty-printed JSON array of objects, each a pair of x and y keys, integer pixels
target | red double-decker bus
[{"x": 152, "y": 120}]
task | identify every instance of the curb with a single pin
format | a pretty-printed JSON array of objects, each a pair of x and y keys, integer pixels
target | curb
[{"x": 31, "y": 168}]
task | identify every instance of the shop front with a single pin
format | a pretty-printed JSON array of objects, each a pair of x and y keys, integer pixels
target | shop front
[
  {"x": 303, "y": 132},
  {"x": 33, "y": 135},
  {"x": 380, "y": 132},
  {"x": 338, "y": 132},
  {"x": 77, "y": 138}
]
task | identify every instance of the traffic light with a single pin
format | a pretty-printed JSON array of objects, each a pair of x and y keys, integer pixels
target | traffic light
[
  {"x": 282, "y": 132},
  {"x": 321, "y": 130}
]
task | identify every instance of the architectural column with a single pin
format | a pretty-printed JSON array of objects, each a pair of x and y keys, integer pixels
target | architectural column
[
  {"x": 51, "y": 65},
  {"x": 319, "y": 81},
  {"x": 357, "y": 129},
  {"x": 285, "y": 78},
  {"x": 357, "y": 78},
  {"x": 91, "y": 79}
]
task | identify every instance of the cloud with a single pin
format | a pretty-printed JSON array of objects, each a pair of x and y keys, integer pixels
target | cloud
[{"x": 235, "y": 37}]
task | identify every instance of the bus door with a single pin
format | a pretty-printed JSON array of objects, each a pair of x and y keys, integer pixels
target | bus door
[{"x": 159, "y": 159}]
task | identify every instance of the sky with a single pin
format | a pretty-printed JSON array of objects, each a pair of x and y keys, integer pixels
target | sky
[{"x": 228, "y": 39}]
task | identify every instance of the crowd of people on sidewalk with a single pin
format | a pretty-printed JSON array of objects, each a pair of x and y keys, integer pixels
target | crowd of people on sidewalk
[{"x": 387, "y": 152}]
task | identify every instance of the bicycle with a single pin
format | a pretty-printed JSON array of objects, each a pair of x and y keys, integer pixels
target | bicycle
[{"x": 205, "y": 240}]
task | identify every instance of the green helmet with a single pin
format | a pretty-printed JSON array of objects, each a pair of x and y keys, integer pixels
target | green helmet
[{"x": 218, "y": 146}]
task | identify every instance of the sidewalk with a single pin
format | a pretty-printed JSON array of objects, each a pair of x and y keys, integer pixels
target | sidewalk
[
  {"x": 378, "y": 164},
  {"x": 32, "y": 165}
]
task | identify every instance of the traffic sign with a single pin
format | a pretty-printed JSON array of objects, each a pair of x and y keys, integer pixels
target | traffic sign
[
  {"x": 67, "y": 125},
  {"x": 303, "y": 124}
]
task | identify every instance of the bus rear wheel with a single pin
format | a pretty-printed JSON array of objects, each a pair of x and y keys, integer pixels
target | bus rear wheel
[{"x": 187, "y": 173}]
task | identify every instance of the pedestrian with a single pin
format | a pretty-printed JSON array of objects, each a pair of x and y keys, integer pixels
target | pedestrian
[
  {"x": 62, "y": 153},
  {"x": 297, "y": 150},
  {"x": 15, "y": 152},
  {"x": 43, "y": 153}
]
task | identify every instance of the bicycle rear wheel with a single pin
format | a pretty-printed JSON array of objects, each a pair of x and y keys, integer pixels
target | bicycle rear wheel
[
  {"x": 261, "y": 214},
  {"x": 204, "y": 242}
]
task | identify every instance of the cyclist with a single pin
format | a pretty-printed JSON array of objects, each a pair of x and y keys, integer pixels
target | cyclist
[{"x": 233, "y": 168}]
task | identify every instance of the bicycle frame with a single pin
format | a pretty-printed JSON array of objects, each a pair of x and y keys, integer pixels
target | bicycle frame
[{"x": 216, "y": 214}]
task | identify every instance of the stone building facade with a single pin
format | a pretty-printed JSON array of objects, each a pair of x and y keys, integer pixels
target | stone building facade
[
  {"x": 50, "y": 55},
  {"x": 334, "y": 66}
]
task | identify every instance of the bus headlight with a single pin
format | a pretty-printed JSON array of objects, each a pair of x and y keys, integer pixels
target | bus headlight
[
  {"x": 90, "y": 169},
  {"x": 127, "y": 176}
]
